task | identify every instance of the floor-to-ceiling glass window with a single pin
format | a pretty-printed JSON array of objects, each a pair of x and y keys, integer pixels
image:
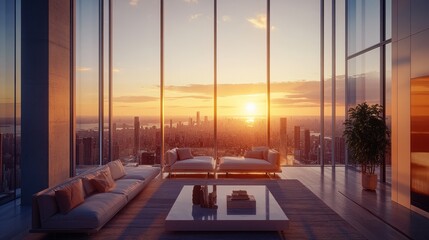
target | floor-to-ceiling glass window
[
  {"x": 87, "y": 83},
  {"x": 242, "y": 81},
  {"x": 9, "y": 108},
  {"x": 340, "y": 61},
  {"x": 136, "y": 82},
  {"x": 295, "y": 71},
  {"x": 189, "y": 75},
  {"x": 368, "y": 56}
]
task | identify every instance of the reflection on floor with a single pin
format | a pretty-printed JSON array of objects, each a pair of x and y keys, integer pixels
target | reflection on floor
[{"x": 372, "y": 214}]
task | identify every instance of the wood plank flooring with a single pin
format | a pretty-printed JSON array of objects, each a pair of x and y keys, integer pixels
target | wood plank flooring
[{"x": 371, "y": 215}]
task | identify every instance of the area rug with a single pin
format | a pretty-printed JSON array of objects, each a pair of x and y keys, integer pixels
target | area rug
[{"x": 144, "y": 217}]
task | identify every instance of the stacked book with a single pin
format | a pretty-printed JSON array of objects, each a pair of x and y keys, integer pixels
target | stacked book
[{"x": 240, "y": 199}]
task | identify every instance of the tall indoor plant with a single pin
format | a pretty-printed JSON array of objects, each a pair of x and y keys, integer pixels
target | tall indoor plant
[{"x": 368, "y": 139}]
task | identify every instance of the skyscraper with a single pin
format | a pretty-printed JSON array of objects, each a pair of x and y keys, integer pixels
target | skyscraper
[
  {"x": 307, "y": 145},
  {"x": 297, "y": 142},
  {"x": 283, "y": 136},
  {"x": 198, "y": 118},
  {"x": 88, "y": 151},
  {"x": 190, "y": 122},
  {"x": 136, "y": 136},
  {"x": 171, "y": 123}
]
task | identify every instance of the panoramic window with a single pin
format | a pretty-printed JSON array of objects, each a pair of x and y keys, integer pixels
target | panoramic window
[
  {"x": 87, "y": 84},
  {"x": 189, "y": 75},
  {"x": 10, "y": 129},
  {"x": 295, "y": 80},
  {"x": 136, "y": 74},
  {"x": 242, "y": 81}
]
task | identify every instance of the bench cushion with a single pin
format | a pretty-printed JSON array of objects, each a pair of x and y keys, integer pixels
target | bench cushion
[
  {"x": 93, "y": 213},
  {"x": 199, "y": 163}
]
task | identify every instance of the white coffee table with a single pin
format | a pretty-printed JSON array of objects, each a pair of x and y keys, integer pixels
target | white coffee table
[{"x": 268, "y": 215}]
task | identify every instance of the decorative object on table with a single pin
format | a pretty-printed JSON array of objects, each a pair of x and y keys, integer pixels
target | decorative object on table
[
  {"x": 201, "y": 196},
  {"x": 368, "y": 139},
  {"x": 196, "y": 194},
  {"x": 239, "y": 199}
]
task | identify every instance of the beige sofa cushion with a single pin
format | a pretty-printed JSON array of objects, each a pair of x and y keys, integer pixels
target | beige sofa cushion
[
  {"x": 244, "y": 164},
  {"x": 263, "y": 149},
  {"x": 184, "y": 154},
  {"x": 70, "y": 196},
  {"x": 254, "y": 154},
  {"x": 117, "y": 169},
  {"x": 171, "y": 156},
  {"x": 198, "y": 163}
]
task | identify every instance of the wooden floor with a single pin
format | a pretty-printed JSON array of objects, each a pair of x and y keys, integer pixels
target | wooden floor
[{"x": 332, "y": 205}]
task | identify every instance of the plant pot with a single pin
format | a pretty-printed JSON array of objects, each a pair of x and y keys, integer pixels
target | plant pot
[{"x": 369, "y": 181}]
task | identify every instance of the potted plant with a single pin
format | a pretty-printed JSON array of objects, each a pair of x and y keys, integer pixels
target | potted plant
[{"x": 368, "y": 139}]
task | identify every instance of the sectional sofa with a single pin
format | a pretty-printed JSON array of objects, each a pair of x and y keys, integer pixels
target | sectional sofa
[
  {"x": 182, "y": 160},
  {"x": 259, "y": 159},
  {"x": 85, "y": 203}
]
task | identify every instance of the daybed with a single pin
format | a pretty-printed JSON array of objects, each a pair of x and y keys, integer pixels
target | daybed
[
  {"x": 182, "y": 160},
  {"x": 86, "y": 202},
  {"x": 259, "y": 159}
]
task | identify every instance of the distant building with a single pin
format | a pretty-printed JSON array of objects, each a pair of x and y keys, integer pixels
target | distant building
[
  {"x": 307, "y": 146},
  {"x": 89, "y": 151},
  {"x": 198, "y": 119},
  {"x": 297, "y": 142},
  {"x": 340, "y": 150},
  {"x": 136, "y": 136},
  {"x": 190, "y": 122},
  {"x": 206, "y": 119},
  {"x": 171, "y": 123},
  {"x": 115, "y": 151},
  {"x": 283, "y": 136}
]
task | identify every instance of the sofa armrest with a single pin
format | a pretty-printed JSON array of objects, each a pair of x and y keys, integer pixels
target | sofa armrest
[{"x": 274, "y": 157}]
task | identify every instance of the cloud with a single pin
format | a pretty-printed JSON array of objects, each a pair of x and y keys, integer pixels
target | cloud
[
  {"x": 195, "y": 16},
  {"x": 300, "y": 93},
  {"x": 192, "y": 97},
  {"x": 83, "y": 69},
  {"x": 226, "y": 18},
  {"x": 134, "y": 2},
  {"x": 260, "y": 21},
  {"x": 191, "y": 1},
  {"x": 135, "y": 99}
]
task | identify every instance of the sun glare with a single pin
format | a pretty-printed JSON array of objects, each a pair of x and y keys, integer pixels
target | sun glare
[{"x": 250, "y": 108}]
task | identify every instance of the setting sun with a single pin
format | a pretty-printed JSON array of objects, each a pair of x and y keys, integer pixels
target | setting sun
[{"x": 250, "y": 108}]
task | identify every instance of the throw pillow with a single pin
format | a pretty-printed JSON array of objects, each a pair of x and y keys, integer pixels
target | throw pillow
[
  {"x": 117, "y": 169},
  {"x": 184, "y": 153},
  {"x": 172, "y": 156},
  {"x": 103, "y": 182},
  {"x": 254, "y": 154},
  {"x": 69, "y": 196},
  {"x": 263, "y": 149}
]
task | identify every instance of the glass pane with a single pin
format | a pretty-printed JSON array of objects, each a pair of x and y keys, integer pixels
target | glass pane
[
  {"x": 327, "y": 141},
  {"x": 242, "y": 88},
  {"x": 106, "y": 145},
  {"x": 388, "y": 19},
  {"x": 87, "y": 84},
  {"x": 295, "y": 87},
  {"x": 136, "y": 93},
  {"x": 189, "y": 89},
  {"x": 340, "y": 83},
  {"x": 364, "y": 79},
  {"x": 388, "y": 105},
  {"x": 363, "y": 24},
  {"x": 8, "y": 157}
]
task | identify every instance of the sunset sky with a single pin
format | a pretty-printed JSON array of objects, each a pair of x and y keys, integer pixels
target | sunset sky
[{"x": 188, "y": 59}]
